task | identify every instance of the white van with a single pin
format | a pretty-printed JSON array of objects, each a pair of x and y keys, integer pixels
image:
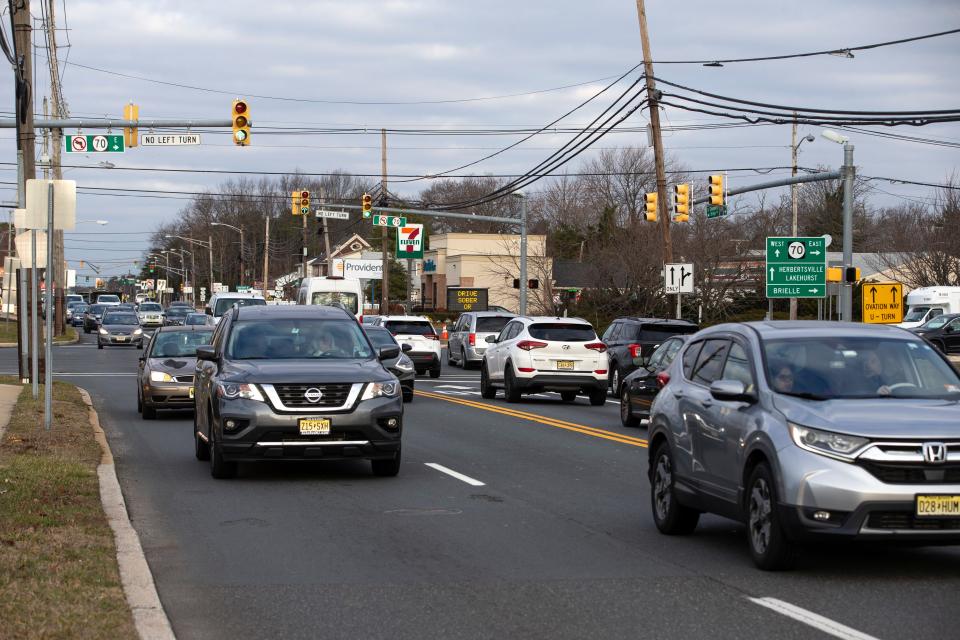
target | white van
[
  {"x": 332, "y": 291},
  {"x": 220, "y": 303},
  {"x": 926, "y": 303}
]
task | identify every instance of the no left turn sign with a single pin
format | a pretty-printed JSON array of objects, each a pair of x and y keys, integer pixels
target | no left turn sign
[{"x": 78, "y": 143}]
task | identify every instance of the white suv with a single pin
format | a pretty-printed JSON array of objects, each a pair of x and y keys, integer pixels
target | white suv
[
  {"x": 422, "y": 338},
  {"x": 545, "y": 354}
]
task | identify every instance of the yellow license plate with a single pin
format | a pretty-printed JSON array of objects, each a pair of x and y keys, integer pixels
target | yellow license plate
[
  {"x": 191, "y": 393},
  {"x": 938, "y": 506},
  {"x": 565, "y": 365},
  {"x": 314, "y": 426}
]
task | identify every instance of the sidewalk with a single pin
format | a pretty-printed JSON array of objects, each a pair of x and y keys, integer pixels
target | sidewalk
[{"x": 8, "y": 400}]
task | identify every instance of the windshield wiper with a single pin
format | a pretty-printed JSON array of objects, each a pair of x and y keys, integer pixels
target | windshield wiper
[{"x": 806, "y": 395}]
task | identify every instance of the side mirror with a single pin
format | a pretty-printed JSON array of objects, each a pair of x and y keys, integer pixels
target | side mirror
[
  {"x": 208, "y": 311},
  {"x": 406, "y": 347},
  {"x": 207, "y": 352},
  {"x": 389, "y": 353},
  {"x": 731, "y": 390},
  {"x": 491, "y": 339},
  {"x": 142, "y": 359}
]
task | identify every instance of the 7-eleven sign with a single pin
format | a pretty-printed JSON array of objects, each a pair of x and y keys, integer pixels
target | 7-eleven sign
[{"x": 410, "y": 242}]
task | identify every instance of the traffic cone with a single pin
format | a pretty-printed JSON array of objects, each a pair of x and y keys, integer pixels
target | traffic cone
[{"x": 443, "y": 333}]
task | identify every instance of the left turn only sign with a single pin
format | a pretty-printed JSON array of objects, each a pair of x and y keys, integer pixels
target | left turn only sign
[{"x": 95, "y": 144}]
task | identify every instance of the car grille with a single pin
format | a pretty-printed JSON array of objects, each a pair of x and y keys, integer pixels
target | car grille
[
  {"x": 292, "y": 437},
  {"x": 907, "y": 520},
  {"x": 893, "y": 473},
  {"x": 334, "y": 395},
  {"x": 183, "y": 379}
]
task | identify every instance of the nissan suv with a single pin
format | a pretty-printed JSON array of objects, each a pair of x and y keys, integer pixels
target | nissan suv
[
  {"x": 808, "y": 431},
  {"x": 295, "y": 383}
]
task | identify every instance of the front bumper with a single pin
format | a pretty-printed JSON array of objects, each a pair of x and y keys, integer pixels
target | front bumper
[
  {"x": 168, "y": 395},
  {"x": 264, "y": 434},
  {"x": 861, "y": 505},
  {"x": 120, "y": 340},
  {"x": 560, "y": 382}
]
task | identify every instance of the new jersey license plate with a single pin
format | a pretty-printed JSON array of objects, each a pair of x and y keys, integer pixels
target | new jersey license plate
[
  {"x": 314, "y": 426},
  {"x": 565, "y": 365},
  {"x": 938, "y": 506}
]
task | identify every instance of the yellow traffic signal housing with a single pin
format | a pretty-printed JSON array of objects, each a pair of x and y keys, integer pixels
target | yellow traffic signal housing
[
  {"x": 367, "y": 202},
  {"x": 304, "y": 202},
  {"x": 651, "y": 206},
  {"x": 295, "y": 202},
  {"x": 130, "y": 112},
  {"x": 716, "y": 190},
  {"x": 240, "y": 117},
  {"x": 681, "y": 202}
]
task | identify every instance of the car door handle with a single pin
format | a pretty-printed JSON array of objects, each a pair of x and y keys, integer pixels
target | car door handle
[
  {"x": 707, "y": 403},
  {"x": 678, "y": 394}
]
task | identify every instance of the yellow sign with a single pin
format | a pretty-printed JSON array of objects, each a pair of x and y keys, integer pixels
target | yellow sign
[{"x": 882, "y": 302}]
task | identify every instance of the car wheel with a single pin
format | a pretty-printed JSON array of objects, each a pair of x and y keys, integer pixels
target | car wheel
[
  {"x": 139, "y": 402},
  {"x": 568, "y": 396},
  {"x": 200, "y": 448},
  {"x": 408, "y": 395},
  {"x": 487, "y": 390},
  {"x": 614, "y": 380},
  {"x": 219, "y": 468},
  {"x": 598, "y": 397},
  {"x": 420, "y": 372},
  {"x": 386, "y": 468},
  {"x": 769, "y": 546},
  {"x": 99, "y": 345},
  {"x": 85, "y": 330},
  {"x": 626, "y": 410},
  {"x": 510, "y": 389},
  {"x": 450, "y": 361},
  {"x": 435, "y": 371},
  {"x": 140, "y": 345},
  {"x": 148, "y": 412},
  {"x": 463, "y": 359},
  {"x": 671, "y": 517}
]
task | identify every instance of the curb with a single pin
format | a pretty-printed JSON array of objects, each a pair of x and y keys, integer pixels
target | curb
[{"x": 149, "y": 618}]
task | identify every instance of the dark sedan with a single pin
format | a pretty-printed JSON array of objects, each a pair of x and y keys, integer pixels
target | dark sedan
[
  {"x": 943, "y": 332},
  {"x": 641, "y": 387},
  {"x": 176, "y": 316},
  {"x": 91, "y": 319},
  {"x": 401, "y": 366},
  {"x": 120, "y": 328},
  {"x": 77, "y": 311},
  {"x": 167, "y": 368}
]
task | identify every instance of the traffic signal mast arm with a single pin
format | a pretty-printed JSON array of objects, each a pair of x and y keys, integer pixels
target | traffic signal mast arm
[
  {"x": 816, "y": 177},
  {"x": 433, "y": 213},
  {"x": 104, "y": 123}
]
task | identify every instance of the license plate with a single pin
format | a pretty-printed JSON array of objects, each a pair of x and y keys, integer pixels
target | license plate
[
  {"x": 565, "y": 365},
  {"x": 121, "y": 339},
  {"x": 314, "y": 426},
  {"x": 191, "y": 393},
  {"x": 938, "y": 506}
]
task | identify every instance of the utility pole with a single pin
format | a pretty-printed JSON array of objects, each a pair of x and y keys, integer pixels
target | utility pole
[
  {"x": 266, "y": 257},
  {"x": 662, "y": 210},
  {"x": 304, "y": 243},
  {"x": 59, "y": 110},
  {"x": 793, "y": 202},
  {"x": 385, "y": 235},
  {"x": 210, "y": 255},
  {"x": 326, "y": 235}
]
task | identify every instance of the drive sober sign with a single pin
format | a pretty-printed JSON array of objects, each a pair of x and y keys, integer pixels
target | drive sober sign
[{"x": 466, "y": 299}]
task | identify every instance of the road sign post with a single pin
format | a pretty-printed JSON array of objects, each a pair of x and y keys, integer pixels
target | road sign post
[
  {"x": 796, "y": 267},
  {"x": 882, "y": 302}
]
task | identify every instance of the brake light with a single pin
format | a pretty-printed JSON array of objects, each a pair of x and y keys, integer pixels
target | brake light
[
  {"x": 526, "y": 369},
  {"x": 662, "y": 379},
  {"x": 634, "y": 350},
  {"x": 600, "y": 371},
  {"x": 473, "y": 339},
  {"x": 529, "y": 345},
  {"x": 599, "y": 347}
]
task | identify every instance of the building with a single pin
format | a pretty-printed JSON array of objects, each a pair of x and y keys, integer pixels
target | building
[{"x": 484, "y": 261}]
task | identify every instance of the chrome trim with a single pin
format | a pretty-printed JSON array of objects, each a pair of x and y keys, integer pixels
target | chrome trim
[
  {"x": 911, "y": 452},
  {"x": 274, "y": 399},
  {"x": 908, "y": 532},
  {"x": 325, "y": 443},
  {"x": 203, "y": 437}
]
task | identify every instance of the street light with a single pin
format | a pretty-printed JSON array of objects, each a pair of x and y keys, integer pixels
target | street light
[
  {"x": 240, "y": 230},
  {"x": 848, "y": 172},
  {"x": 208, "y": 244},
  {"x": 795, "y": 228}
]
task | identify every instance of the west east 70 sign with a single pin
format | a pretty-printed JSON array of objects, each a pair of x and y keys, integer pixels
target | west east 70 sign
[{"x": 796, "y": 267}]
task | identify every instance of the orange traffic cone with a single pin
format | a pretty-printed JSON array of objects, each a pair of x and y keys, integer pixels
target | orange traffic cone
[{"x": 443, "y": 333}]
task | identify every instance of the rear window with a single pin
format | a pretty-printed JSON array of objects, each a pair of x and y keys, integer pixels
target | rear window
[
  {"x": 97, "y": 308},
  {"x": 150, "y": 306},
  {"x": 659, "y": 334},
  {"x": 491, "y": 324},
  {"x": 410, "y": 327},
  {"x": 345, "y": 298},
  {"x": 562, "y": 332},
  {"x": 107, "y": 299},
  {"x": 120, "y": 318},
  {"x": 223, "y": 304},
  {"x": 381, "y": 338}
]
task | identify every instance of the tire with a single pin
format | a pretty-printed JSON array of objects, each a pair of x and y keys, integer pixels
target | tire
[
  {"x": 435, "y": 371},
  {"x": 200, "y": 448},
  {"x": 568, "y": 396},
  {"x": 140, "y": 346},
  {"x": 99, "y": 345},
  {"x": 615, "y": 381},
  {"x": 420, "y": 372},
  {"x": 85, "y": 330},
  {"x": 408, "y": 396},
  {"x": 148, "y": 412},
  {"x": 450, "y": 361},
  {"x": 598, "y": 397},
  {"x": 386, "y": 468},
  {"x": 219, "y": 468},
  {"x": 510, "y": 390},
  {"x": 769, "y": 546},
  {"x": 487, "y": 390},
  {"x": 671, "y": 517},
  {"x": 463, "y": 360},
  {"x": 139, "y": 403},
  {"x": 626, "y": 411}
]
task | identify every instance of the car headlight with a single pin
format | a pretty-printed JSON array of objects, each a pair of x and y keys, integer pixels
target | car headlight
[
  {"x": 103, "y": 332},
  {"x": 160, "y": 376},
  {"x": 137, "y": 332},
  {"x": 404, "y": 364},
  {"x": 380, "y": 389},
  {"x": 834, "y": 445},
  {"x": 236, "y": 390}
]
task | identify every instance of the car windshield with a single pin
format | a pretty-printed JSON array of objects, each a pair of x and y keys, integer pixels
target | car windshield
[
  {"x": 936, "y": 323},
  {"x": 825, "y": 367},
  {"x": 178, "y": 344},
  {"x": 346, "y": 298},
  {"x": 300, "y": 338},
  {"x": 197, "y": 318},
  {"x": 381, "y": 337},
  {"x": 223, "y": 304},
  {"x": 80, "y": 308},
  {"x": 562, "y": 332},
  {"x": 120, "y": 318},
  {"x": 491, "y": 324},
  {"x": 151, "y": 307},
  {"x": 410, "y": 327},
  {"x": 916, "y": 314}
]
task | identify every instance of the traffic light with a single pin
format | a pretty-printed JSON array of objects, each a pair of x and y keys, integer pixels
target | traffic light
[
  {"x": 153, "y": 267},
  {"x": 240, "y": 116},
  {"x": 681, "y": 202},
  {"x": 367, "y": 202},
  {"x": 651, "y": 205},
  {"x": 716, "y": 190},
  {"x": 295, "y": 202},
  {"x": 130, "y": 112},
  {"x": 304, "y": 202}
]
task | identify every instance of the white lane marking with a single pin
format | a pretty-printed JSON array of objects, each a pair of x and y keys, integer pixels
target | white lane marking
[
  {"x": 453, "y": 386},
  {"x": 451, "y": 472},
  {"x": 816, "y": 621}
]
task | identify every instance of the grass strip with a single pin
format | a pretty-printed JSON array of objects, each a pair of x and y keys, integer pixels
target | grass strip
[{"x": 8, "y": 332}]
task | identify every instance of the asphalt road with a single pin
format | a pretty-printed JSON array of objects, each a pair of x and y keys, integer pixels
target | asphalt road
[{"x": 557, "y": 541}]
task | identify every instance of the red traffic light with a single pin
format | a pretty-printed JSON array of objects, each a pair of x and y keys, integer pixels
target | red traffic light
[
  {"x": 239, "y": 107},
  {"x": 304, "y": 194}
]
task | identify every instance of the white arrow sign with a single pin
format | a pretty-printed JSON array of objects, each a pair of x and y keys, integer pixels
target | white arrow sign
[{"x": 678, "y": 278}]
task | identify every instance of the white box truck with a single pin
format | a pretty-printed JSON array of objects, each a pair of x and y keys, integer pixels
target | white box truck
[{"x": 926, "y": 303}]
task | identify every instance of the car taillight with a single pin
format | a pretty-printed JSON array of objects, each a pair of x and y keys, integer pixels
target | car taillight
[
  {"x": 662, "y": 379},
  {"x": 634, "y": 350},
  {"x": 528, "y": 345},
  {"x": 599, "y": 347},
  {"x": 473, "y": 339},
  {"x": 600, "y": 371}
]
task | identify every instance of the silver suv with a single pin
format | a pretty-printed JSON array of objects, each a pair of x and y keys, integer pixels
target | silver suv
[
  {"x": 468, "y": 339},
  {"x": 806, "y": 431}
]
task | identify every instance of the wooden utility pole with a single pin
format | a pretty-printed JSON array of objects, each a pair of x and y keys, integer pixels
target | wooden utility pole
[
  {"x": 663, "y": 211},
  {"x": 304, "y": 242},
  {"x": 793, "y": 203},
  {"x": 266, "y": 257},
  {"x": 326, "y": 236},
  {"x": 58, "y": 110},
  {"x": 385, "y": 235}
]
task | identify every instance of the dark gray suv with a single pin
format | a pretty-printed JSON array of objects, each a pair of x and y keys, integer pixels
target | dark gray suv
[
  {"x": 808, "y": 431},
  {"x": 295, "y": 383}
]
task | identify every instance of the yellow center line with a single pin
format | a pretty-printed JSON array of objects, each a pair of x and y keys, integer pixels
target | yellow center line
[{"x": 551, "y": 422}]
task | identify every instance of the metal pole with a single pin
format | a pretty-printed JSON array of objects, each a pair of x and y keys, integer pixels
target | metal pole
[
  {"x": 34, "y": 320},
  {"x": 210, "y": 251},
  {"x": 48, "y": 354},
  {"x": 523, "y": 255},
  {"x": 241, "y": 255},
  {"x": 679, "y": 309},
  {"x": 846, "y": 291},
  {"x": 794, "y": 228},
  {"x": 23, "y": 314},
  {"x": 193, "y": 280},
  {"x": 266, "y": 259}
]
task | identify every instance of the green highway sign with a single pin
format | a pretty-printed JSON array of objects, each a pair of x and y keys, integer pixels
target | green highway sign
[
  {"x": 716, "y": 210},
  {"x": 95, "y": 144},
  {"x": 380, "y": 220},
  {"x": 796, "y": 267}
]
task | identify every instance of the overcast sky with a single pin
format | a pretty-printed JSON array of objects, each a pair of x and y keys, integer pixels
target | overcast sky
[{"x": 432, "y": 50}]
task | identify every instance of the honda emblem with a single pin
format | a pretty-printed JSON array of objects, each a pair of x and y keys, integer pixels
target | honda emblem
[{"x": 934, "y": 452}]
